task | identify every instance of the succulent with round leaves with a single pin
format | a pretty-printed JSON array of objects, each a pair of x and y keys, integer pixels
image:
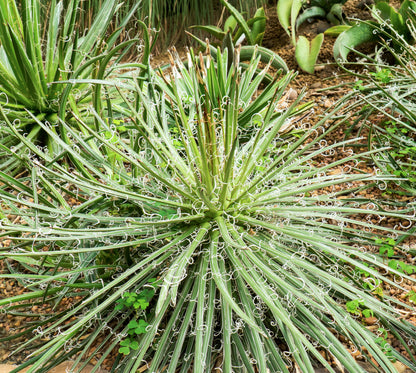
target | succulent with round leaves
[{"x": 252, "y": 272}]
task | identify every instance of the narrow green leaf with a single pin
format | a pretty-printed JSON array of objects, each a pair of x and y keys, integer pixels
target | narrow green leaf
[
  {"x": 213, "y": 30},
  {"x": 336, "y": 30}
]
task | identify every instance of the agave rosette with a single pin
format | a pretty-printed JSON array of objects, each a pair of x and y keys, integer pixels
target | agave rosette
[{"x": 234, "y": 237}]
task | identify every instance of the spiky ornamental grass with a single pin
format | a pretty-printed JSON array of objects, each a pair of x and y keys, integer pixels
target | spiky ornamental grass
[
  {"x": 389, "y": 91},
  {"x": 251, "y": 272},
  {"x": 41, "y": 48}
]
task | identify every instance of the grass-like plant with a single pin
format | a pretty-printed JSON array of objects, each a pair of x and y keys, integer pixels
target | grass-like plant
[
  {"x": 242, "y": 255},
  {"x": 171, "y": 18}
]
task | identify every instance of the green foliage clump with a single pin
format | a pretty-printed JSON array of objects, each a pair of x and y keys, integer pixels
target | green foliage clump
[
  {"x": 329, "y": 9},
  {"x": 388, "y": 25},
  {"x": 251, "y": 30},
  {"x": 389, "y": 90}
]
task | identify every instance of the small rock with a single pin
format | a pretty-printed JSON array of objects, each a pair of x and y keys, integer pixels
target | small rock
[
  {"x": 327, "y": 104},
  {"x": 292, "y": 94},
  {"x": 316, "y": 85},
  {"x": 400, "y": 367},
  {"x": 370, "y": 320},
  {"x": 6, "y": 368}
]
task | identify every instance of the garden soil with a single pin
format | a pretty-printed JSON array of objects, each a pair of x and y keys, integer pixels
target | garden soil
[{"x": 318, "y": 88}]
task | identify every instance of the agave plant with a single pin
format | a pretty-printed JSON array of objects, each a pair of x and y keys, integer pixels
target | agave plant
[
  {"x": 205, "y": 251},
  {"x": 389, "y": 91},
  {"x": 39, "y": 51},
  {"x": 251, "y": 84}
]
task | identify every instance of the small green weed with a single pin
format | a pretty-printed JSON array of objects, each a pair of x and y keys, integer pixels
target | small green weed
[
  {"x": 384, "y": 344},
  {"x": 382, "y": 76},
  {"x": 402, "y": 267},
  {"x": 356, "y": 307},
  {"x": 412, "y": 296},
  {"x": 386, "y": 246},
  {"x": 139, "y": 302}
]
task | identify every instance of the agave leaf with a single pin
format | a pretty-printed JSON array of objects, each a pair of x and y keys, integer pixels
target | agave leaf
[
  {"x": 306, "y": 53},
  {"x": 351, "y": 38},
  {"x": 247, "y": 52}
]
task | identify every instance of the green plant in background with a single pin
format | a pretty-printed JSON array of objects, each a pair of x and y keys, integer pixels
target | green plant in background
[
  {"x": 252, "y": 30},
  {"x": 355, "y": 307},
  {"x": 389, "y": 90},
  {"x": 171, "y": 18},
  {"x": 329, "y": 9},
  {"x": 388, "y": 25},
  {"x": 235, "y": 29},
  {"x": 306, "y": 52},
  {"x": 39, "y": 50},
  {"x": 412, "y": 296},
  {"x": 237, "y": 233}
]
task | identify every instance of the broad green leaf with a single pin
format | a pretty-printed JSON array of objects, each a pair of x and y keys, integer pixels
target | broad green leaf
[
  {"x": 240, "y": 20},
  {"x": 283, "y": 13},
  {"x": 294, "y": 12},
  {"x": 353, "y": 37},
  {"x": 389, "y": 14},
  {"x": 259, "y": 26},
  {"x": 335, "y": 15},
  {"x": 306, "y": 53},
  {"x": 230, "y": 24}
]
